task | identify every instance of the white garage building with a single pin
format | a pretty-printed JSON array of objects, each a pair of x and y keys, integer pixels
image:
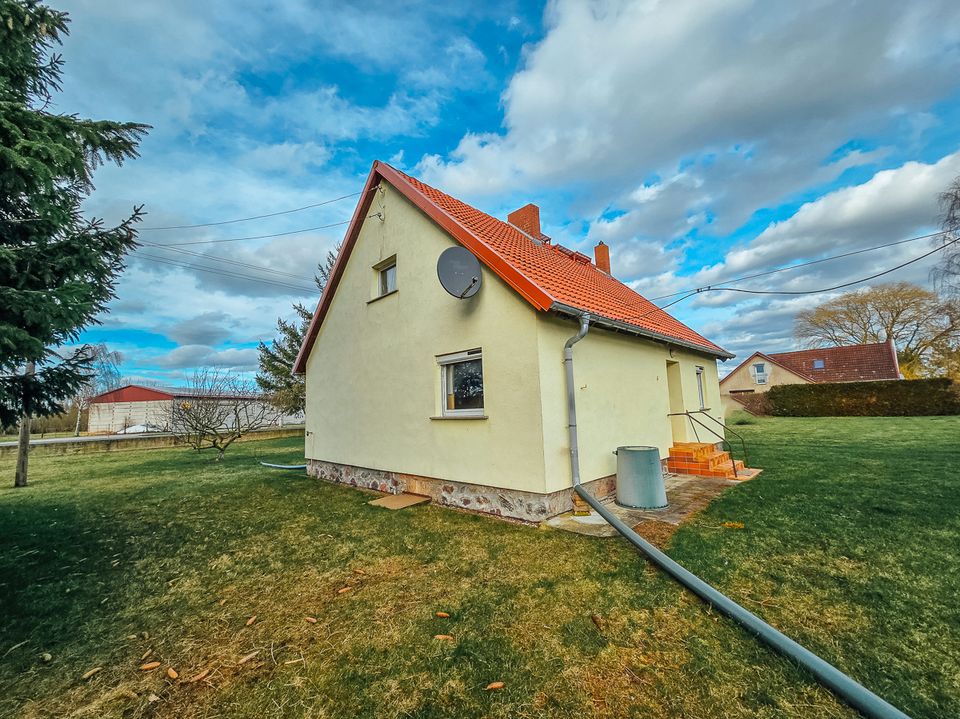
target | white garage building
[{"x": 134, "y": 405}]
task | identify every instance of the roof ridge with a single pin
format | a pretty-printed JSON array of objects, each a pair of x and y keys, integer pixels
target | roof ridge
[
  {"x": 829, "y": 349},
  {"x": 548, "y": 277},
  {"x": 566, "y": 252}
]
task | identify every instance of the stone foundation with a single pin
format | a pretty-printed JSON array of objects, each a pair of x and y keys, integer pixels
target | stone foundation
[{"x": 508, "y": 503}]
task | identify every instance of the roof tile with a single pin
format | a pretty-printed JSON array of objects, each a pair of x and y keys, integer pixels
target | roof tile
[
  {"x": 851, "y": 363},
  {"x": 570, "y": 278}
]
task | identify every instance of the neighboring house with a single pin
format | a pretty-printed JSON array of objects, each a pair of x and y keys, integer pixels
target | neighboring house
[
  {"x": 412, "y": 389},
  {"x": 138, "y": 406},
  {"x": 851, "y": 363}
]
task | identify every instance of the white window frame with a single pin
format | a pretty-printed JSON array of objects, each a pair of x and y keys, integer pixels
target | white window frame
[
  {"x": 701, "y": 390},
  {"x": 382, "y": 287},
  {"x": 823, "y": 364},
  {"x": 759, "y": 376},
  {"x": 446, "y": 362}
]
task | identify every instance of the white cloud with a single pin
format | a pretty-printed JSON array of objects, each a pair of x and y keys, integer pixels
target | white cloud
[
  {"x": 750, "y": 97},
  {"x": 186, "y": 356},
  {"x": 891, "y": 205},
  {"x": 207, "y": 328}
]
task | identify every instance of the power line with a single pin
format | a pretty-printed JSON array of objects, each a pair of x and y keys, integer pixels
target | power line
[
  {"x": 710, "y": 288},
  {"x": 255, "y": 237},
  {"x": 255, "y": 217},
  {"x": 806, "y": 264},
  {"x": 841, "y": 286},
  {"x": 227, "y": 273},
  {"x": 217, "y": 258}
]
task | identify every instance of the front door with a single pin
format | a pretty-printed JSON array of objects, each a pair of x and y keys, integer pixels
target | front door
[{"x": 679, "y": 423}]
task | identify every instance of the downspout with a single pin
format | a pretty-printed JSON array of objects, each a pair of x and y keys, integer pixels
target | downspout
[
  {"x": 572, "y": 398},
  {"x": 856, "y": 695}
]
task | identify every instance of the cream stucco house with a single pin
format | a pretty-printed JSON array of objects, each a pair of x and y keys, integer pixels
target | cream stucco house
[
  {"x": 823, "y": 365},
  {"x": 464, "y": 400}
]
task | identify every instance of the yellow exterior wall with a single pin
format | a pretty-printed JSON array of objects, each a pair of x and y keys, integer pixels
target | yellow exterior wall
[
  {"x": 622, "y": 397},
  {"x": 742, "y": 379},
  {"x": 373, "y": 382}
]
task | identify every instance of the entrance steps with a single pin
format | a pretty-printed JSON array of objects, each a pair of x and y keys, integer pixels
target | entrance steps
[{"x": 702, "y": 459}]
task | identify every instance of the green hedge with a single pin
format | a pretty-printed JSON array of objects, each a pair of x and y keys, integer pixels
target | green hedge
[{"x": 888, "y": 398}]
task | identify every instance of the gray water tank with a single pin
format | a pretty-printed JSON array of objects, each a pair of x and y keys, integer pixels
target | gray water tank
[{"x": 640, "y": 478}]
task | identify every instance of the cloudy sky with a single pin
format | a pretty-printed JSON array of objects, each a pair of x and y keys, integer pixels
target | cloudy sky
[{"x": 702, "y": 141}]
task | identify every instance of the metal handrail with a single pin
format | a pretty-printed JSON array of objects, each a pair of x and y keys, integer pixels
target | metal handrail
[
  {"x": 693, "y": 421},
  {"x": 726, "y": 427}
]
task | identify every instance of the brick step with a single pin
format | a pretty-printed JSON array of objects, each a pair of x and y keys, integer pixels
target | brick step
[
  {"x": 700, "y": 469},
  {"x": 696, "y": 451},
  {"x": 711, "y": 461}
]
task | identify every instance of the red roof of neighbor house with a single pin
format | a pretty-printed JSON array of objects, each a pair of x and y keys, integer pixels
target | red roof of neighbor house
[
  {"x": 132, "y": 393},
  {"x": 139, "y": 393},
  {"x": 548, "y": 276},
  {"x": 849, "y": 363}
]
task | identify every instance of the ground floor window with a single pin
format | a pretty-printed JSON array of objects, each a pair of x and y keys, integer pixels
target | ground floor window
[{"x": 461, "y": 381}]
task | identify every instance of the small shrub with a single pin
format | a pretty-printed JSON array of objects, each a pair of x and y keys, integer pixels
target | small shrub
[{"x": 740, "y": 417}]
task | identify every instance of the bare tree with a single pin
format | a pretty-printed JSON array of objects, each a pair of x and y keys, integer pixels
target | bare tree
[
  {"x": 104, "y": 376},
  {"x": 218, "y": 410},
  {"x": 918, "y": 321},
  {"x": 946, "y": 274}
]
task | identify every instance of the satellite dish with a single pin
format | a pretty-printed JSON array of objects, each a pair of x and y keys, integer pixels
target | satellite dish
[{"x": 459, "y": 272}]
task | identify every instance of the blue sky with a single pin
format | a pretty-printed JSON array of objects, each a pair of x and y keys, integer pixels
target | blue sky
[{"x": 700, "y": 140}]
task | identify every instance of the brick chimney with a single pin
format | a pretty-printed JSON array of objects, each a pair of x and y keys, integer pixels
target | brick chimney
[
  {"x": 601, "y": 255},
  {"x": 527, "y": 219}
]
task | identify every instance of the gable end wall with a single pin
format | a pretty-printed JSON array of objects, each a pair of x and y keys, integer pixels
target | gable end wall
[{"x": 373, "y": 383}]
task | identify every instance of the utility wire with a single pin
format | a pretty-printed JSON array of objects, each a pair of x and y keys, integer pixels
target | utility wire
[
  {"x": 218, "y": 258},
  {"x": 228, "y": 273},
  {"x": 262, "y": 237},
  {"x": 255, "y": 217},
  {"x": 255, "y": 237},
  {"x": 841, "y": 286},
  {"x": 711, "y": 288},
  {"x": 807, "y": 264}
]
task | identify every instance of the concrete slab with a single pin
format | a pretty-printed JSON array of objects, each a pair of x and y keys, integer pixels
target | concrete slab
[{"x": 686, "y": 495}]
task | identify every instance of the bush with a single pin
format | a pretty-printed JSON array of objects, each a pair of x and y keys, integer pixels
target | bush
[
  {"x": 888, "y": 398},
  {"x": 741, "y": 417}
]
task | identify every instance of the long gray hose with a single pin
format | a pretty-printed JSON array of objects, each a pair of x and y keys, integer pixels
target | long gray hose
[{"x": 856, "y": 695}]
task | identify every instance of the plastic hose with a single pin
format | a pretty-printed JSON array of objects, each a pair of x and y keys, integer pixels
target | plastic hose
[{"x": 856, "y": 695}]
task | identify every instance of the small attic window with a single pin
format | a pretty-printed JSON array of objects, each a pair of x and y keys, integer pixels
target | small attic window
[
  {"x": 818, "y": 364},
  {"x": 386, "y": 276}
]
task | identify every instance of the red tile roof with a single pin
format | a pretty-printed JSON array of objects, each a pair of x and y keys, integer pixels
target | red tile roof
[
  {"x": 852, "y": 363},
  {"x": 548, "y": 276}
]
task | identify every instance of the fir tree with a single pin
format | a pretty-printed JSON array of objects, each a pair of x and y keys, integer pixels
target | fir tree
[
  {"x": 57, "y": 269},
  {"x": 286, "y": 390}
]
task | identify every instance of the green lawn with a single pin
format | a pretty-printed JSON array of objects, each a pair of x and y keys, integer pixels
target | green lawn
[{"x": 850, "y": 545}]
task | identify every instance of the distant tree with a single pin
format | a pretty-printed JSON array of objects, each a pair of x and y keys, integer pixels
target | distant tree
[
  {"x": 104, "y": 376},
  {"x": 222, "y": 409},
  {"x": 945, "y": 361},
  {"x": 918, "y": 321},
  {"x": 57, "y": 270},
  {"x": 947, "y": 272},
  {"x": 286, "y": 391}
]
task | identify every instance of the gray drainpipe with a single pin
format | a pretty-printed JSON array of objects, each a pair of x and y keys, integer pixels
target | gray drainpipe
[
  {"x": 856, "y": 695},
  {"x": 571, "y": 397}
]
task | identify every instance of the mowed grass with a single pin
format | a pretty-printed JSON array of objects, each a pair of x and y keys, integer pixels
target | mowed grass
[{"x": 849, "y": 545}]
